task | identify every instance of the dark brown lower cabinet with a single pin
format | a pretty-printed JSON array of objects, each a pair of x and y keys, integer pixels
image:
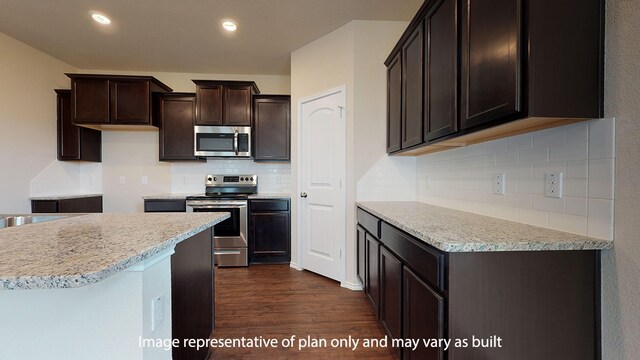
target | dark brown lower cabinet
[
  {"x": 372, "y": 280},
  {"x": 525, "y": 305},
  {"x": 391, "y": 295},
  {"x": 360, "y": 245},
  {"x": 422, "y": 316},
  {"x": 269, "y": 231},
  {"x": 192, "y": 293},
  {"x": 91, "y": 204}
]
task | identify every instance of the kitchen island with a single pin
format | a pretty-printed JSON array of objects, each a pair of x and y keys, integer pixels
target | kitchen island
[
  {"x": 497, "y": 289},
  {"x": 95, "y": 286}
]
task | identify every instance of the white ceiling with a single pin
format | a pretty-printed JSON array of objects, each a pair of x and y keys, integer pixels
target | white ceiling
[{"x": 186, "y": 35}]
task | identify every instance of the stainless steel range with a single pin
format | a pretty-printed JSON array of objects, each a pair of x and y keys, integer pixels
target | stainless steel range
[{"x": 227, "y": 193}]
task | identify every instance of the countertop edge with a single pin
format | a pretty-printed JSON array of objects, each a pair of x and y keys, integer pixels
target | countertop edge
[
  {"x": 444, "y": 245},
  {"x": 79, "y": 280},
  {"x": 63, "y": 197}
]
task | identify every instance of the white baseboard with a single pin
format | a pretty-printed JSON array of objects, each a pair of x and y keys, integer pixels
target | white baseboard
[
  {"x": 295, "y": 266},
  {"x": 351, "y": 286}
]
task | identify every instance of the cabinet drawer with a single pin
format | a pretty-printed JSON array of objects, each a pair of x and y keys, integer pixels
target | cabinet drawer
[
  {"x": 427, "y": 262},
  {"x": 369, "y": 222},
  {"x": 269, "y": 205},
  {"x": 44, "y": 206},
  {"x": 165, "y": 205}
]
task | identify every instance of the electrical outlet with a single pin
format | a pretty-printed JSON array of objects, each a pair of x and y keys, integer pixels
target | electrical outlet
[
  {"x": 144, "y": 180},
  {"x": 499, "y": 182},
  {"x": 157, "y": 312},
  {"x": 553, "y": 184},
  {"x": 121, "y": 180}
]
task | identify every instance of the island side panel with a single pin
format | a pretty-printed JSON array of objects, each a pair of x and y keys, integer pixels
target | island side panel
[
  {"x": 192, "y": 293},
  {"x": 543, "y": 304}
]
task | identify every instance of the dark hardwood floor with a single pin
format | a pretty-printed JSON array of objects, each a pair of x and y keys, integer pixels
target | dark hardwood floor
[{"x": 276, "y": 302}]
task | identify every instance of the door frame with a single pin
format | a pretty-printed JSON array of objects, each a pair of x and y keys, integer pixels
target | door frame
[{"x": 343, "y": 194}]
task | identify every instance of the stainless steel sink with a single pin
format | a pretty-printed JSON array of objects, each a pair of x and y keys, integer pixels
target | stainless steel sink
[{"x": 17, "y": 220}]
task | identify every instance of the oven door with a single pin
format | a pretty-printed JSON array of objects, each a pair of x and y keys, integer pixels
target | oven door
[{"x": 232, "y": 232}]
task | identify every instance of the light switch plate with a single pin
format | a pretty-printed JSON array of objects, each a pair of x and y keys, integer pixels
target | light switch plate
[
  {"x": 553, "y": 184},
  {"x": 499, "y": 184}
]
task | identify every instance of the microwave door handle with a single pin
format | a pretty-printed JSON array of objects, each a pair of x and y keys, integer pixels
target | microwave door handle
[{"x": 235, "y": 142}]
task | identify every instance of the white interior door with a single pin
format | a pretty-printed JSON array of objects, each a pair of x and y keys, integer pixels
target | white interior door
[{"x": 321, "y": 174}]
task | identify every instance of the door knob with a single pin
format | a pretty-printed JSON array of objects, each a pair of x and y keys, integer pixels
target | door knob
[{"x": 303, "y": 195}]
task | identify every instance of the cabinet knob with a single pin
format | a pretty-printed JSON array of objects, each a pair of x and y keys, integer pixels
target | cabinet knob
[{"x": 303, "y": 195}]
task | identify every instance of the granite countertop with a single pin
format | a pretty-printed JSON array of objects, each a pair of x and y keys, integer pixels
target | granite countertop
[
  {"x": 458, "y": 231},
  {"x": 82, "y": 250},
  {"x": 62, "y": 197},
  {"x": 265, "y": 195},
  {"x": 174, "y": 196}
]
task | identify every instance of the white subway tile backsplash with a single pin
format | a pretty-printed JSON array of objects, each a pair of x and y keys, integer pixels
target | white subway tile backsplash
[
  {"x": 524, "y": 201},
  {"x": 569, "y": 223},
  {"x": 600, "y": 219},
  {"x": 584, "y": 152},
  {"x": 548, "y": 137},
  {"x": 538, "y": 155},
  {"x": 570, "y": 151},
  {"x": 576, "y": 206},
  {"x": 533, "y": 217},
  {"x": 577, "y": 169},
  {"x": 520, "y": 142},
  {"x": 530, "y": 186},
  {"x": 601, "y": 179},
  {"x": 543, "y": 203},
  {"x": 577, "y": 133},
  {"x": 602, "y": 139},
  {"x": 575, "y": 188}
]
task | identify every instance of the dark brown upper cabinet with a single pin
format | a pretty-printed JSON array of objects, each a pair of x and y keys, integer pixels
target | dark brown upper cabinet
[
  {"x": 74, "y": 142},
  {"x": 176, "y": 117},
  {"x": 412, "y": 64},
  {"x": 514, "y": 67},
  {"x": 440, "y": 69},
  {"x": 224, "y": 103},
  {"x": 113, "y": 101},
  {"x": 491, "y": 61},
  {"x": 394, "y": 103},
  {"x": 272, "y": 128}
]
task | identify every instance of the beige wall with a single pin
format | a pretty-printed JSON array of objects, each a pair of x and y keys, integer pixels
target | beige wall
[
  {"x": 353, "y": 56},
  {"x": 134, "y": 154},
  {"x": 27, "y": 118},
  {"x": 621, "y": 266}
]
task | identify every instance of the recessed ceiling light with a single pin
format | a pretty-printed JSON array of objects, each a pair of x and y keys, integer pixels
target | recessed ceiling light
[
  {"x": 102, "y": 19},
  {"x": 229, "y": 25}
]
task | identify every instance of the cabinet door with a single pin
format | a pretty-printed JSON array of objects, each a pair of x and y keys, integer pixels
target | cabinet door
[
  {"x": 441, "y": 63},
  {"x": 390, "y": 294},
  {"x": 90, "y": 101},
  {"x": 68, "y": 134},
  {"x": 422, "y": 316},
  {"x": 209, "y": 102},
  {"x": 237, "y": 105},
  {"x": 394, "y": 104},
  {"x": 176, "y": 120},
  {"x": 130, "y": 102},
  {"x": 360, "y": 267},
  {"x": 271, "y": 128},
  {"x": 491, "y": 41},
  {"x": 269, "y": 238},
  {"x": 412, "y": 98},
  {"x": 81, "y": 205},
  {"x": 372, "y": 279}
]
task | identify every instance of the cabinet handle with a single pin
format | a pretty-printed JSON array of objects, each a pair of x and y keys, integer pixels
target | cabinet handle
[{"x": 303, "y": 195}]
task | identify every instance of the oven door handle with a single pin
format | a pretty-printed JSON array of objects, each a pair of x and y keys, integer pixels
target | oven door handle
[
  {"x": 218, "y": 206},
  {"x": 226, "y": 252}
]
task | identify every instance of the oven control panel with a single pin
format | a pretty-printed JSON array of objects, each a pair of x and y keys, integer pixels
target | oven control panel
[{"x": 230, "y": 180}]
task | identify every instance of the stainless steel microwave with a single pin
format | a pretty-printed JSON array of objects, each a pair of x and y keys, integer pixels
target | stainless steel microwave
[{"x": 222, "y": 141}]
